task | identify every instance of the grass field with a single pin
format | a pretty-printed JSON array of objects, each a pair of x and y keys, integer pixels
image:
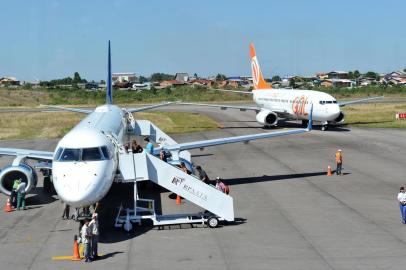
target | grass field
[
  {"x": 21, "y": 125},
  {"x": 375, "y": 115}
]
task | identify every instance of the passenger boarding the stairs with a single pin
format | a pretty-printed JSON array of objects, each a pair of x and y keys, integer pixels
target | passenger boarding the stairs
[
  {"x": 202, "y": 175},
  {"x": 150, "y": 147},
  {"x": 136, "y": 148},
  {"x": 221, "y": 186}
]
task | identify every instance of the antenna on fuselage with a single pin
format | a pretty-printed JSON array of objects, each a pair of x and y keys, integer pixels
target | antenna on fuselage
[{"x": 109, "y": 90}]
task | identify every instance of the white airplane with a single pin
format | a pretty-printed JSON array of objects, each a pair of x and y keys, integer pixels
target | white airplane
[
  {"x": 85, "y": 161},
  {"x": 286, "y": 103}
]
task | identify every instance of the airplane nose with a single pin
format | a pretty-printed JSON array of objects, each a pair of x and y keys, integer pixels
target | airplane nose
[{"x": 79, "y": 184}]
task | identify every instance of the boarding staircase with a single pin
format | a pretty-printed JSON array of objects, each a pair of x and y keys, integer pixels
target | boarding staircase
[{"x": 144, "y": 166}]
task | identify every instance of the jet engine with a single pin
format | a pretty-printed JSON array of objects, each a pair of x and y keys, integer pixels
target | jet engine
[
  {"x": 11, "y": 173},
  {"x": 340, "y": 118},
  {"x": 267, "y": 118}
]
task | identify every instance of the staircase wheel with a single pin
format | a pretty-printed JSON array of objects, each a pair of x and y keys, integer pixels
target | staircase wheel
[{"x": 213, "y": 222}]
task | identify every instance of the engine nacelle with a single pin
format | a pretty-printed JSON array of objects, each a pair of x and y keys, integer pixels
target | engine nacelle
[
  {"x": 11, "y": 173},
  {"x": 340, "y": 118},
  {"x": 268, "y": 118}
]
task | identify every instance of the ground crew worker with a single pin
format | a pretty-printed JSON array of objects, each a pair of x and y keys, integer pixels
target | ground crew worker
[
  {"x": 202, "y": 175},
  {"x": 21, "y": 196},
  {"x": 94, "y": 229},
  {"x": 402, "y": 204},
  {"x": 150, "y": 147},
  {"x": 339, "y": 162},
  {"x": 13, "y": 195},
  {"x": 86, "y": 238},
  {"x": 66, "y": 211}
]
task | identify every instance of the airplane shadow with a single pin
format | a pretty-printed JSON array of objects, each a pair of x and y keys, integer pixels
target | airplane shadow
[
  {"x": 39, "y": 197},
  {"x": 201, "y": 155},
  {"x": 269, "y": 178},
  {"x": 369, "y": 122}
]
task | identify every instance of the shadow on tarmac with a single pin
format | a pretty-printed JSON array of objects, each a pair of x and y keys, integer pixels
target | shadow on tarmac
[
  {"x": 268, "y": 178},
  {"x": 123, "y": 194},
  {"x": 39, "y": 197}
]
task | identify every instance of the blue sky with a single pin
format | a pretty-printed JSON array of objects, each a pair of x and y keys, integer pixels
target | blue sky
[{"x": 53, "y": 39}]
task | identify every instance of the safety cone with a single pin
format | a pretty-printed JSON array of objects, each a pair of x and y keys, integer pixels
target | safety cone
[
  {"x": 76, "y": 256},
  {"x": 8, "y": 208},
  {"x": 329, "y": 172},
  {"x": 178, "y": 200}
]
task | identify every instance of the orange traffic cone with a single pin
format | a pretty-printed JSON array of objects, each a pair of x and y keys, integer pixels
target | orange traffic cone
[
  {"x": 329, "y": 172},
  {"x": 178, "y": 200},
  {"x": 76, "y": 256},
  {"x": 8, "y": 206}
]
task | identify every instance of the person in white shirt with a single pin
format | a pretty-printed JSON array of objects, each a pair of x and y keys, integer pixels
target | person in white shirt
[
  {"x": 94, "y": 228},
  {"x": 86, "y": 236},
  {"x": 402, "y": 203}
]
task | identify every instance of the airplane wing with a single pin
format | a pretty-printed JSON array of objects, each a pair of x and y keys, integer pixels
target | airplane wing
[
  {"x": 235, "y": 139},
  {"x": 32, "y": 154},
  {"x": 224, "y": 107},
  {"x": 70, "y": 109},
  {"x": 345, "y": 103},
  {"x": 131, "y": 110}
]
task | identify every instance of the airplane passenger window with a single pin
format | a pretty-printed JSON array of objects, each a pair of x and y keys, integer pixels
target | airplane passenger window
[
  {"x": 105, "y": 152},
  {"x": 89, "y": 154},
  {"x": 70, "y": 155}
]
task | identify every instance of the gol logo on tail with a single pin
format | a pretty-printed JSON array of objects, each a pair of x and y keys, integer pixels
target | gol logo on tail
[{"x": 298, "y": 105}]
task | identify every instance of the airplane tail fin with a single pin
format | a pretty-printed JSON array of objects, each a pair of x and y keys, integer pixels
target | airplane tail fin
[
  {"x": 257, "y": 77},
  {"x": 109, "y": 90}
]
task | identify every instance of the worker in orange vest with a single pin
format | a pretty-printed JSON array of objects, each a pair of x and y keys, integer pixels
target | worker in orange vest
[{"x": 339, "y": 161}]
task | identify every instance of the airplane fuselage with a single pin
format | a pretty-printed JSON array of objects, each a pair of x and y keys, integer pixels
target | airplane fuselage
[
  {"x": 85, "y": 159},
  {"x": 295, "y": 104}
]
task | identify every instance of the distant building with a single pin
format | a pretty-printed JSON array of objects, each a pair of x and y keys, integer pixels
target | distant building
[
  {"x": 9, "y": 81},
  {"x": 124, "y": 77},
  {"x": 142, "y": 86},
  {"x": 337, "y": 83},
  {"x": 201, "y": 83},
  {"x": 321, "y": 75},
  {"x": 182, "y": 77},
  {"x": 396, "y": 78},
  {"x": 170, "y": 83},
  {"x": 337, "y": 75}
]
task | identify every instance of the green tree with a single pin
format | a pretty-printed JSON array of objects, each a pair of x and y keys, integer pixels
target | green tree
[
  {"x": 356, "y": 74},
  {"x": 76, "y": 77},
  {"x": 220, "y": 77},
  {"x": 159, "y": 77},
  {"x": 351, "y": 75},
  {"x": 276, "y": 78},
  {"x": 143, "y": 79},
  {"x": 371, "y": 74}
]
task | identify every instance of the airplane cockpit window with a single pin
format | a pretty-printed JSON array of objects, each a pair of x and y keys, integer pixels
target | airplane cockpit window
[
  {"x": 89, "y": 154},
  {"x": 105, "y": 152},
  {"x": 70, "y": 155},
  {"x": 335, "y": 101},
  {"x": 322, "y": 102},
  {"x": 58, "y": 153}
]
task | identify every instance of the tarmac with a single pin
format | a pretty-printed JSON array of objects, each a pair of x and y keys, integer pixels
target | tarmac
[{"x": 289, "y": 214}]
